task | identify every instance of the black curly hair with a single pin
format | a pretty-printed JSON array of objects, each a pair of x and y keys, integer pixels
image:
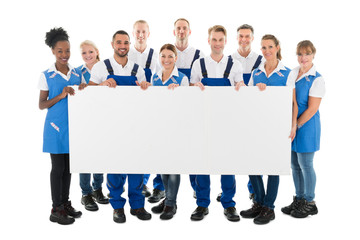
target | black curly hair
[{"x": 55, "y": 35}]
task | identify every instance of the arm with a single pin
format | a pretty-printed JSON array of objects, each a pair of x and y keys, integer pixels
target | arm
[
  {"x": 44, "y": 102},
  {"x": 294, "y": 116},
  {"x": 313, "y": 107}
]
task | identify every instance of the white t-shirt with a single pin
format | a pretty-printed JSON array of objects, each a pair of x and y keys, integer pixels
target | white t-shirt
[
  {"x": 248, "y": 62},
  {"x": 140, "y": 58},
  {"x": 185, "y": 58},
  {"x": 216, "y": 70},
  {"x": 99, "y": 71}
]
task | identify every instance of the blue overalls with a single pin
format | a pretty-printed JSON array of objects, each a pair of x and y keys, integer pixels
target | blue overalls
[
  {"x": 56, "y": 128},
  {"x": 228, "y": 183},
  {"x": 174, "y": 79},
  {"x": 85, "y": 73},
  {"x": 115, "y": 182},
  {"x": 246, "y": 76},
  {"x": 267, "y": 199},
  {"x": 147, "y": 69},
  {"x": 307, "y": 137},
  {"x": 187, "y": 71}
]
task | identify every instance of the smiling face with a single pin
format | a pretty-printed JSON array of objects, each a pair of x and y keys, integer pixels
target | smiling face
[
  {"x": 61, "y": 52},
  {"x": 305, "y": 58},
  {"x": 89, "y": 54},
  {"x": 245, "y": 38},
  {"x": 269, "y": 49},
  {"x": 121, "y": 45},
  {"x": 141, "y": 33},
  {"x": 217, "y": 41},
  {"x": 167, "y": 59}
]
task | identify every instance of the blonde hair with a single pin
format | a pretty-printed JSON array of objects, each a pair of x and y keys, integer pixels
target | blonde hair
[
  {"x": 217, "y": 28},
  {"x": 141, "y": 21},
  {"x": 90, "y": 43},
  {"x": 276, "y": 41},
  {"x": 182, "y": 19}
]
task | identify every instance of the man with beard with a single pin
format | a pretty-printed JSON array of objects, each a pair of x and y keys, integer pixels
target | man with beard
[{"x": 119, "y": 70}]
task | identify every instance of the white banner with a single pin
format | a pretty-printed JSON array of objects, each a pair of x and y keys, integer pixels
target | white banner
[{"x": 186, "y": 130}]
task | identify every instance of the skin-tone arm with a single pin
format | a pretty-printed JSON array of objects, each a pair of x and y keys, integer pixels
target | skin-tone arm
[
  {"x": 44, "y": 102},
  {"x": 294, "y": 116},
  {"x": 313, "y": 107}
]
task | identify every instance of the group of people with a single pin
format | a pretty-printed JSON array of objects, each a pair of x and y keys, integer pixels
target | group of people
[{"x": 174, "y": 66}]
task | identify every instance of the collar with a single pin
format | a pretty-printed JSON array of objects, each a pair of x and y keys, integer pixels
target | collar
[
  {"x": 279, "y": 67},
  {"x": 175, "y": 72},
  {"x": 128, "y": 64},
  {"x": 311, "y": 72},
  {"x": 224, "y": 59},
  {"x": 185, "y": 50},
  {"x": 52, "y": 68},
  {"x": 147, "y": 49},
  {"x": 251, "y": 54}
]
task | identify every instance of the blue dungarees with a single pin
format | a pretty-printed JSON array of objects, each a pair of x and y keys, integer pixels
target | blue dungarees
[
  {"x": 115, "y": 182},
  {"x": 267, "y": 199},
  {"x": 228, "y": 184},
  {"x": 187, "y": 71}
]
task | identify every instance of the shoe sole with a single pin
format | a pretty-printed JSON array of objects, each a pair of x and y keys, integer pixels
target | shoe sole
[
  {"x": 148, "y": 217},
  {"x": 306, "y": 215},
  {"x": 198, "y": 218},
  {"x": 90, "y": 209},
  {"x": 56, "y": 220},
  {"x": 263, "y": 223},
  {"x": 232, "y": 219},
  {"x": 119, "y": 220}
]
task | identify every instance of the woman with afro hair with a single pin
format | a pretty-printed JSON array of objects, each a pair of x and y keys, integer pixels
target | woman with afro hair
[{"x": 55, "y": 85}]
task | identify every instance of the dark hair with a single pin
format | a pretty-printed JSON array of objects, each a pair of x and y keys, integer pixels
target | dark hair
[
  {"x": 170, "y": 47},
  {"x": 55, "y": 35},
  {"x": 246, "y": 26},
  {"x": 121, "y": 32}
]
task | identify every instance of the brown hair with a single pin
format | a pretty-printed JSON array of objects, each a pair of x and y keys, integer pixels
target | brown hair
[
  {"x": 90, "y": 43},
  {"x": 217, "y": 28},
  {"x": 306, "y": 45},
  {"x": 276, "y": 41},
  {"x": 170, "y": 47}
]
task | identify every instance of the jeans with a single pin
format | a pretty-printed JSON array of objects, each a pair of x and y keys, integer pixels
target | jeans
[
  {"x": 265, "y": 199},
  {"x": 171, "y": 183},
  {"x": 85, "y": 182},
  {"x": 303, "y": 175}
]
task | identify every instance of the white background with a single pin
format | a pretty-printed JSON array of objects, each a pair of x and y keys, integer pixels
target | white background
[{"x": 330, "y": 25}]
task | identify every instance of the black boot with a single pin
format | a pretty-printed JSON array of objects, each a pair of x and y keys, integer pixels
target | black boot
[
  {"x": 99, "y": 197},
  {"x": 71, "y": 211},
  {"x": 294, "y": 205},
  {"x": 89, "y": 203},
  {"x": 59, "y": 215},
  {"x": 306, "y": 208}
]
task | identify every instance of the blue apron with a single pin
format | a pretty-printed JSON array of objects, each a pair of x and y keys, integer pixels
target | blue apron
[
  {"x": 122, "y": 80},
  {"x": 85, "y": 73},
  {"x": 278, "y": 78},
  {"x": 246, "y": 76},
  {"x": 56, "y": 128},
  {"x": 174, "y": 79},
  {"x": 147, "y": 69},
  {"x": 187, "y": 71},
  {"x": 307, "y": 137}
]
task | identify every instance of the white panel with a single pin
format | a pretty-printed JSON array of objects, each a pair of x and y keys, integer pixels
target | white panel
[{"x": 219, "y": 130}]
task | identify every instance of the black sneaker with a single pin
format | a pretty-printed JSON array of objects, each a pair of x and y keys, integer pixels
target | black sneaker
[
  {"x": 294, "y": 205},
  {"x": 253, "y": 212},
  {"x": 89, "y": 203},
  {"x": 119, "y": 215},
  {"x": 146, "y": 191},
  {"x": 59, "y": 216},
  {"x": 306, "y": 209},
  {"x": 231, "y": 214},
  {"x": 265, "y": 216},
  {"x": 159, "y": 208},
  {"x": 168, "y": 213},
  {"x": 99, "y": 197},
  {"x": 199, "y": 213},
  {"x": 156, "y": 196},
  {"x": 218, "y": 198},
  {"x": 141, "y": 213},
  {"x": 71, "y": 211}
]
